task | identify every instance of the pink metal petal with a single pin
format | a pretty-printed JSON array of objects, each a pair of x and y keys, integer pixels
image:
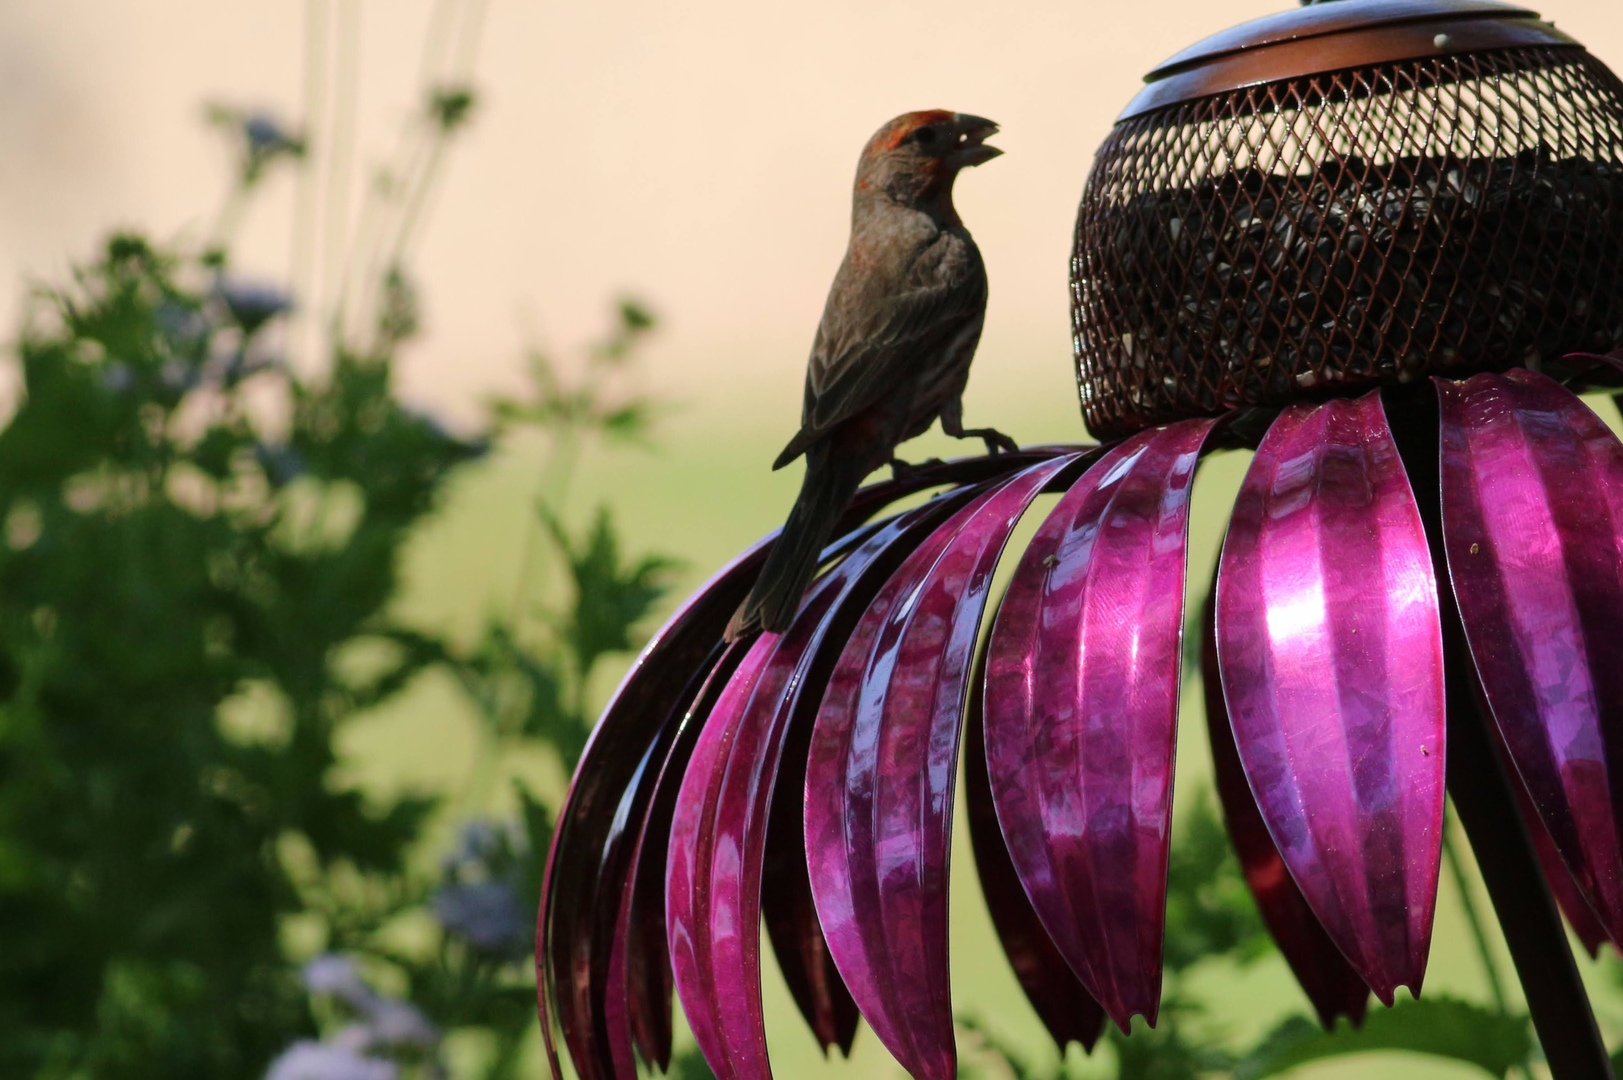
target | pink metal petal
[
  {"x": 602, "y": 815},
  {"x": 1333, "y": 987},
  {"x": 605, "y": 807},
  {"x": 1082, "y": 708},
  {"x": 1063, "y": 1004},
  {"x": 1532, "y": 485},
  {"x": 879, "y": 781},
  {"x": 699, "y": 923},
  {"x": 719, "y": 830},
  {"x": 787, "y": 906},
  {"x": 1330, "y": 644},
  {"x": 790, "y": 913},
  {"x": 1580, "y": 916},
  {"x": 637, "y": 984}
]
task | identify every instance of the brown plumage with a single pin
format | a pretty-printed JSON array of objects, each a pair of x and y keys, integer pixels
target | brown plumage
[{"x": 892, "y": 352}]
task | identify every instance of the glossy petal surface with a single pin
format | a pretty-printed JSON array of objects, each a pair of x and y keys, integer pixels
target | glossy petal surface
[
  {"x": 1579, "y": 915},
  {"x": 1063, "y": 1004},
  {"x": 719, "y": 829},
  {"x": 604, "y": 810},
  {"x": 790, "y": 913},
  {"x": 1532, "y": 485},
  {"x": 880, "y": 778},
  {"x": 1331, "y": 984},
  {"x": 1330, "y": 644},
  {"x": 787, "y": 906},
  {"x": 598, "y": 825},
  {"x": 637, "y": 987},
  {"x": 1081, "y": 712}
]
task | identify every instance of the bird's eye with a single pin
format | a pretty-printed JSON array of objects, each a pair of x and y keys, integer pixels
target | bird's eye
[{"x": 924, "y": 136}]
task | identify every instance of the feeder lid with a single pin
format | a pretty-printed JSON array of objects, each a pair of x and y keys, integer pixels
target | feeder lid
[{"x": 1336, "y": 36}]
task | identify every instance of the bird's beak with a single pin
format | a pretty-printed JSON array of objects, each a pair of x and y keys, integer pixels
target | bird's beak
[{"x": 973, "y": 131}]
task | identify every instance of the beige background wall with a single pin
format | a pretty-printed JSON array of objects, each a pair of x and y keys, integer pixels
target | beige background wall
[{"x": 698, "y": 152}]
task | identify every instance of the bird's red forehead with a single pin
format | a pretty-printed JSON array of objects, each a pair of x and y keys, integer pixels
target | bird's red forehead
[{"x": 892, "y": 134}]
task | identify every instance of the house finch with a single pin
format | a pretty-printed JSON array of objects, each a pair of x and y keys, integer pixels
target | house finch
[{"x": 893, "y": 350}]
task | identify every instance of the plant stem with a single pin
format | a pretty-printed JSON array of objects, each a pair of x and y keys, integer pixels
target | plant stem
[
  {"x": 304, "y": 272},
  {"x": 341, "y": 143},
  {"x": 556, "y": 472},
  {"x": 1473, "y": 919}
]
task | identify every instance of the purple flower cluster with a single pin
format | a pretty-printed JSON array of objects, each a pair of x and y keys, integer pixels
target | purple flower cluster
[{"x": 385, "y": 1032}]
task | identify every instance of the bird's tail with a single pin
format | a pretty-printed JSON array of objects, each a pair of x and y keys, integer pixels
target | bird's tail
[{"x": 792, "y": 563}]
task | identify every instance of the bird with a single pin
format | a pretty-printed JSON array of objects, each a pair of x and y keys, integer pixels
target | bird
[{"x": 893, "y": 349}]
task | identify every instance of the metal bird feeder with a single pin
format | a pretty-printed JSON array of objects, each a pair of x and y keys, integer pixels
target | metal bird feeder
[{"x": 1349, "y": 195}]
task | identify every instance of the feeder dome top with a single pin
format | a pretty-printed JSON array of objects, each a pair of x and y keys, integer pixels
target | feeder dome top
[{"x": 1325, "y": 37}]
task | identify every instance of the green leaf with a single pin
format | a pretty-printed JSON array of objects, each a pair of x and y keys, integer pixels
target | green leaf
[
  {"x": 611, "y": 597},
  {"x": 1209, "y": 909},
  {"x": 1000, "y": 1049},
  {"x": 689, "y": 1064},
  {"x": 1440, "y": 1026},
  {"x": 635, "y": 317},
  {"x": 1166, "y": 1052}
]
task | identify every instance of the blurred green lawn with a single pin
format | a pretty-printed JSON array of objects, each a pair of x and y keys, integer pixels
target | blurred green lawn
[{"x": 704, "y": 494}]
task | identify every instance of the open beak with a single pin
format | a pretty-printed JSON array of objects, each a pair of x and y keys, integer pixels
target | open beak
[{"x": 973, "y": 131}]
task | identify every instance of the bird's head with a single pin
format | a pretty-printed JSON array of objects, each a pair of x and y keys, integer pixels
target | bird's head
[{"x": 914, "y": 159}]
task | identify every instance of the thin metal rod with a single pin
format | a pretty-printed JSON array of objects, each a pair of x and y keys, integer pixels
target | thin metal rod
[
  {"x": 1486, "y": 803},
  {"x": 1473, "y": 918},
  {"x": 1527, "y": 914}
]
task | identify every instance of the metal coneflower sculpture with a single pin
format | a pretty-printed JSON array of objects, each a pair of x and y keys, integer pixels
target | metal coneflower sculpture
[{"x": 1380, "y": 243}]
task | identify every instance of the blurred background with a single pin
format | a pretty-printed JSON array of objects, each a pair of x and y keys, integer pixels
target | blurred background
[{"x": 694, "y": 160}]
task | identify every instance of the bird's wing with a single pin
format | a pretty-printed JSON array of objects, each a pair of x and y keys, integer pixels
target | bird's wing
[
  {"x": 855, "y": 369},
  {"x": 853, "y": 366}
]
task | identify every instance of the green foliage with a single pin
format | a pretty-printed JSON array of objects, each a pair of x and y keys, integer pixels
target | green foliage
[
  {"x": 611, "y": 599},
  {"x": 597, "y": 403},
  {"x": 1209, "y": 909},
  {"x": 166, "y": 550},
  {"x": 200, "y": 557},
  {"x": 1441, "y": 1026}
]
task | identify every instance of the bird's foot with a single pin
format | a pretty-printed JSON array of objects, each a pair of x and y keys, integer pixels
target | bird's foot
[
  {"x": 996, "y": 441},
  {"x": 901, "y": 470}
]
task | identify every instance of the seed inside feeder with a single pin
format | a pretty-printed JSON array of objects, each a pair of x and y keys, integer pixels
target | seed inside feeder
[{"x": 1361, "y": 272}]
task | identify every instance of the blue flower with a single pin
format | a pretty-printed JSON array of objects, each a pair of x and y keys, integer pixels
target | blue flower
[
  {"x": 487, "y": 915},
  {"x": 266, "y": 135},
  {"x": 337, "y": 976},
  {"x": 310, "y": 1060},
  {"x": 252, "y": 304}
]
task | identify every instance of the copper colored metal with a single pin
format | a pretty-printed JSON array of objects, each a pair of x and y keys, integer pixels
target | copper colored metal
[
  {"x": 1349, "y": 195},
  {"x": 1336, "y": 36}
]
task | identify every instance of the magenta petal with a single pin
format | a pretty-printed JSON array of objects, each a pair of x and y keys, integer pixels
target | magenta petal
[
  {"x": 1063, "y": 1004},
  {"x": 790, "y": 913},
  {"x": 637, "y": 986},
  {"x": 719, "y": 830},
  {"x": 787, "y": 905},
  {"x": 1580, "y": 916},
  {"x": 710, "y": 923},
  {"x": 1532, "y": 486},
  {"x": 1333, "y": 987},
  {"x": 604, "y": 810},
  {"x": 1082, "y": 710},
  {"x": 602, "y": 814},
  {"x": 879, "y": 782},
  {"x": 1330, "y": 644}
]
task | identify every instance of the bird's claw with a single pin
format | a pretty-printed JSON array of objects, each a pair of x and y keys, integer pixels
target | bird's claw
[
  {"x": 901, "y": 470},
  {"x": 999, "y": 441},
  {"x": 996, "y": 441}
]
